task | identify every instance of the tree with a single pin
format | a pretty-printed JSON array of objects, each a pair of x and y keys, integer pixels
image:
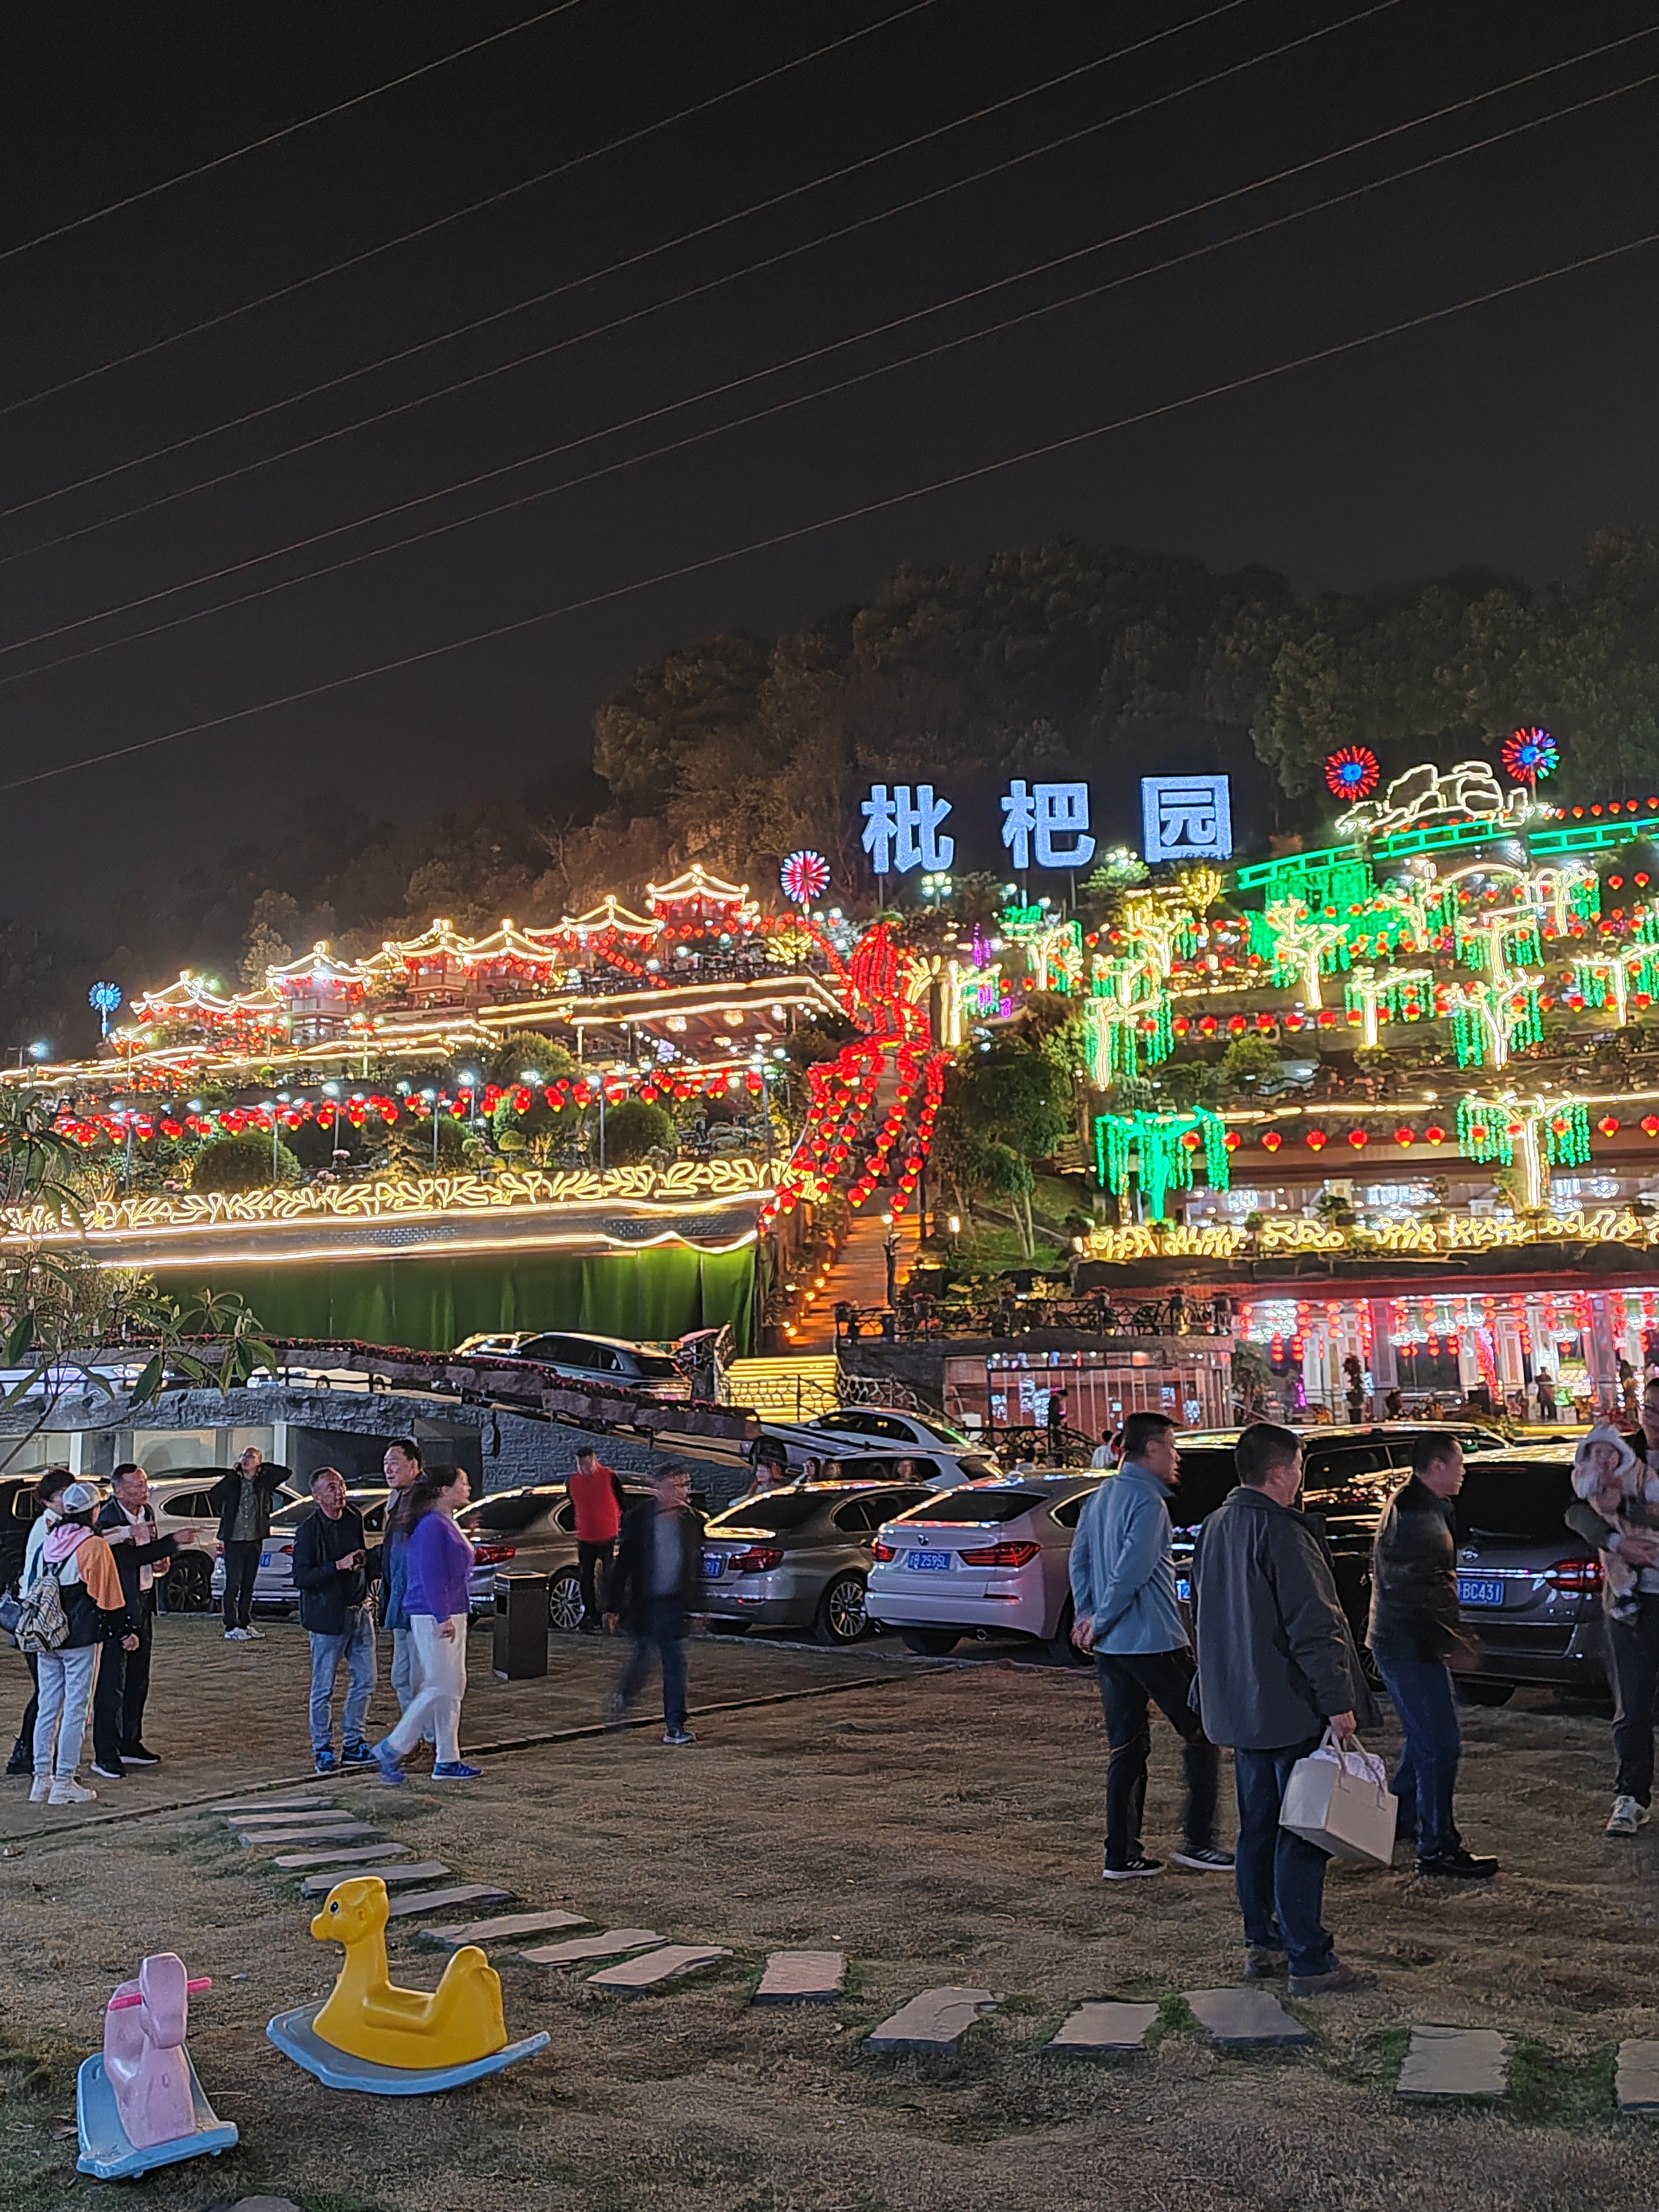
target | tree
[
  {"x": 230, "y": 1164},
  {"x": 634, "y": 1130}
]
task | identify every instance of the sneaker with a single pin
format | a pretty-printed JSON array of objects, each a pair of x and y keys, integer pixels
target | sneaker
[
  {"x": 1458, "y": 1865},
  {"x": 1628, "y": 1816},
  {"x": 1336, "y": 1981},
  {"x": 325, "y": 1762},
  {"x": 1263, "y": 1964},
  {"x": 39, "y": 1789},
  {"x": 356, "y": 1754},
  {"x": 236, "y": 1636},
  {"x": 23, "y": 1758},
  {"x": 455, "y": 1770},
  {"x": 115, "y": 1773},
  {"x": 1208, "y": 1858},
  {"x": 136, "y": 1754},
  {"x": 680, "y": 1735},
  {"x": 386, "y": 1759},
  {"x": 66, "y": 1790},
  {"x": 1136, "y": 1866},
  {"x": 253, "y": 1635}
]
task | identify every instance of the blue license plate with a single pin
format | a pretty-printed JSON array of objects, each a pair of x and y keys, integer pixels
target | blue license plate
[
  {"x": 265, "y": 1559},
  {"x": 920, "y": 1562},
  {"x": 1183, "y": 1589},
  {"x": 714, "y": 1563},
  {"x": 1472, "y": 1591}
]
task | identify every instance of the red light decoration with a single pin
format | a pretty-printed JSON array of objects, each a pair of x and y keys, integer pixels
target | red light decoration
[
  {"x": 1358, "y": 1138},
  {"x": 1271, "y": 1140},
  {"x": 1353, "y": 772},
  {"x": 1609, "y": 1124},
  {"x": 1403, "y": 1135},
  {"x": 1650, "y": 1125},
  {"x": 1317, "y": 1140},
  {"x": 1434, "y": 1135},
  {"x": 1529, "y": 755}
]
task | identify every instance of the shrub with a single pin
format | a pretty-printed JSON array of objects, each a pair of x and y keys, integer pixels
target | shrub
[
  {"x": 242, "y": 1162},
  {"x": 635, "y": 1128}
]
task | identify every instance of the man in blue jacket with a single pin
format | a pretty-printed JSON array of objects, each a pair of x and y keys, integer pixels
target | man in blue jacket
[{"x": 1127, "y": 1616}]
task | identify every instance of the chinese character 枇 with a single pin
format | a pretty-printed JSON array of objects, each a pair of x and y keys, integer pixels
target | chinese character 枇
[
  {"x": 900, "y": 835},
  {"x": 1039, "y": 816}
]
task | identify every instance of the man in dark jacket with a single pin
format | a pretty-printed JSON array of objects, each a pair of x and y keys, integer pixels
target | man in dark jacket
[
  {"x": 1276, "y": 1668},
  {"x": 1414, "y": 1630},
  {"x": 242, "y": 1500},
  {"x": 654, "y": 1590},
  {"x": 1633, "y": 1643},
  {"x": 332, "y": 1570},
  {"x": 141, "y": 1553}
]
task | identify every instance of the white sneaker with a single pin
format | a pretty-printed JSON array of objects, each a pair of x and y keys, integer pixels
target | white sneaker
[
  {"x": 1626, "y": 1817},
  {"x": 251, "y": 1635},
  {"x": 236, "y": 1636},
  {"x": 66, "y": 1790},
  {"x": 39, "y": 1789}
]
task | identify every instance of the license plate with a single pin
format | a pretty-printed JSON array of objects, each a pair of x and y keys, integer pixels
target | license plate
[
  {"x": 921, "y": 1562},
  {"x": 714, "y": 1563},
  {"x": 1183, "y": 1589},
  {"x": 265, "y": 1559},
  {"x": 1470, "y": 1591}
]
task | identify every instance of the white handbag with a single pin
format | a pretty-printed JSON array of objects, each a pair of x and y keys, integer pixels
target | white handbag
[{"x": 1340, "y": 1800}]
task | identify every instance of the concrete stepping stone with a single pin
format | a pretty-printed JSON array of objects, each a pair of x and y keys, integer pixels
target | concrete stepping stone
[
  {"x": 255, "y": 1805},
  {"x": 336, "y": 1832},
  {"x": 1244, "y": 2020},
  {"x": 438, "y": 1900},
  {"x": 1105, "y": 2027},
  {"x": 503, "y": 1926},
  {"x": 670, "y": 1964},
  {"x": 579, "y": 1947},
  {"x": 280, "y": 1816},
  {"x": 1456, "y": 2062},
  {"x": 319, "y": 1884},
  {"x": 802, "y": 1977},
  {"x": 936, "y": 2020},
  {"x": 1636, "y": 2083},
  {"x": 349, "y": 1856}
]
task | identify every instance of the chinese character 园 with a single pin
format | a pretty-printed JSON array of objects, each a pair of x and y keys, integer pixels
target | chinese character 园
[{"x": 1187, "y": 818}]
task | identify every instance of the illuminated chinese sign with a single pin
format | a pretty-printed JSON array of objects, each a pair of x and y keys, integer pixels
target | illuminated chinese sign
[
  {"x": 1052, "y": 817},
  {"x": 901, "y": 834},
  {"x": 1187, "y": 818}
]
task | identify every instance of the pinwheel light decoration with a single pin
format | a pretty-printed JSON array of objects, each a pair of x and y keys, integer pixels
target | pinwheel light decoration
[
  {"x": 1529, "y": 755},
  {"x": 805, "y": 877},
  {"x": 104, "y": 999},
  {"x": 1353, "y": 773}
]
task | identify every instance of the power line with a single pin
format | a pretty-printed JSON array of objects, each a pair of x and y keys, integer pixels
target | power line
[
  {"x": 616, "y": 323},
  {"x": 493, "y": 199},
  {"x": 949, "y": 345},
  {"x": 893, "y": 500},
  {"x": 288, "y": 131}
]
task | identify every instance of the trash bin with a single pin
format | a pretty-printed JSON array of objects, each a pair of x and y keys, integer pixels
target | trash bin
[{"x": 520, "y": 1626}]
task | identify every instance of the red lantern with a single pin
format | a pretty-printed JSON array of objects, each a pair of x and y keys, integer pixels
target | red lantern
[
  {"x": 1358, "y": 1138},
  {"x": 1609, "y": 1124},
  {"x": 1403, "y": 1135},
  {"x": 1650, "y": 1125},
  {"x": 1434, "y": 1133},
  {"x": 1271, "y": 1140},
  {"x": 1316, "y": 1140}
]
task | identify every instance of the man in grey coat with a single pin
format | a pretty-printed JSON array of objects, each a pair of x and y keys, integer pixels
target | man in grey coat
[{"x": 1276, "y": 1668}]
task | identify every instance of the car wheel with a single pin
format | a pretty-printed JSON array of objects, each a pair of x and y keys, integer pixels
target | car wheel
[
  {"x": 934, "y": 1643},
  {"x": 1483, "y": 1693},
  {"x": 1061, "y": 1649},
  {"x": 188, "y": 1585},
  {"x": 842, "y": 1618},
  {"x": 564, "y": 1602}
]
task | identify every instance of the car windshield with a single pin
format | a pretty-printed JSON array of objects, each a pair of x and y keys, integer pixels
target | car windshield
[
  {"x": 656, "y": 1366},
  {"x": 974, "y": 1509},
  {"x": 775, "y": 1512},
  {"x": 1517, "y": 1505},
  {"x": 509, "y": 1514}
]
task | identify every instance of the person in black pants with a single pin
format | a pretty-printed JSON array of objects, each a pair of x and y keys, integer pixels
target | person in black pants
[
  {"x": 654, "y": 1588},
  {"x": 141, "y": 1553},
  {"x": 242, "y": 1500}
]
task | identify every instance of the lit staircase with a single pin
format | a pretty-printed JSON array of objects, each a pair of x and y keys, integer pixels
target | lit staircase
[{"x": 792, "y": 1389}]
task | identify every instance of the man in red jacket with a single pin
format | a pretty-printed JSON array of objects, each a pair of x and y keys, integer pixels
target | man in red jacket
[{"x": 596, "y": 1495}]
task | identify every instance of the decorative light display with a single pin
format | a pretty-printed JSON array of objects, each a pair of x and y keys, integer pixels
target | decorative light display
[
  {"x": 1351, "y": 773},
  {"x": 104, "y": 999},
  {"x": 1164, "y": 1147},
  {"x": 805, "y": 877},
  {"x": 1530, "y": 756}
]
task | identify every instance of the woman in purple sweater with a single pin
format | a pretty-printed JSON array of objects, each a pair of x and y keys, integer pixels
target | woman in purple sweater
[{"x": 439, "y": 1566}]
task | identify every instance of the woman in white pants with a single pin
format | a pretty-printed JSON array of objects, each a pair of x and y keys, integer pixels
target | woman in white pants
[
  {"x": 89, "y": 1588},
  {"x": 436, "y": 1580}
]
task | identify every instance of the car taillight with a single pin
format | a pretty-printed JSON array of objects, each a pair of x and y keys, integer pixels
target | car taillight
[
  {"x": 1579, "y": 1576},
  {"x": 884, "y": 1551},
  {"x": 491, "y": 1555},
  {"x": 285, "y": 1551},
  {"x": 760, "y": 1561},
  {"x": 1001, "y": 1555}
]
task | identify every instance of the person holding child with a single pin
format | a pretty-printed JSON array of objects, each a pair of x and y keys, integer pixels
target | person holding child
[{"x": 1616, "y": 1508}]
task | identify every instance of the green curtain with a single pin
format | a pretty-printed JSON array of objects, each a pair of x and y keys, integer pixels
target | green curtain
[{"x": 430, "y": 1303}]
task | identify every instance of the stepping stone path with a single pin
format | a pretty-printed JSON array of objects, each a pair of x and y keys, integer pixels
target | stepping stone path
[
  {"x": 504, "y": 1925},
  {"x": 581, "y": 1947},
  {"x": 802, "y": 1977},
  {"x": 1106, "y": 2027},
  {"x": 335, "y": 1832},
  {"x": 319, "y": 1884},
  {"x": 1456, "y": 2062},
  {"x": 436, "y": 1901},
  {"x": 360, "y": 1856},
  {"x": 673, "y": 1961},
  {"x": 1244, "y": 2020},
  {"x": 1636, "y": 2084},
  {"x": 936, "y": 2020},
  {"x": 289, "y": 1816}
]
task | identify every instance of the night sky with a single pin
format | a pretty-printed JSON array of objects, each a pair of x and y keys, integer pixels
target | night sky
[{"x": 1498, "y": 436}]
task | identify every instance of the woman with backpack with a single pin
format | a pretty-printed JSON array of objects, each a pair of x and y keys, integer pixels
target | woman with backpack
[{"x": 71, "y": 1605}]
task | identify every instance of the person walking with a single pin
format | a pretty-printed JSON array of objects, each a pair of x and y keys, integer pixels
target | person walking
[
  {"x": 1108, "y": 1452},
  {"x": 654, "y": 1588},
  {"x": 437, "y": 1574},
  {"x": 1632, "y": 1626},
  {"x": 1277, "y": 1668},
  {"x": 1546, "y": 1395},
  {"x": 1129, "y": 1618},
  {"x": 89, "y": 1589},
  {"x": 333, "y": 1568},
  {"x": 50, "y": 1487},
  {"x": 1414, "y": 1630},
  {"x": 403, "y": 1468},
  {"x": 597, "y": 1494},
  {"x": 242, "y": 1500},
  {"x": 128, "y": 1526}
]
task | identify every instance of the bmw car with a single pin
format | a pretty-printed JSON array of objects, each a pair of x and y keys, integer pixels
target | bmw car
[
  {"x": 798, "y": 1557},
  {"x": 994, "y": 1558}
]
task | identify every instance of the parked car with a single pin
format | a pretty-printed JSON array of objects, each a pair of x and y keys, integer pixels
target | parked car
[
  {"x": 926, "y": 1430},
  {"x": 17, "y": 1512},
  {"x": 179, "y": 1500},
  {"x": 273, "y": 1586},
  {"x": 993, "y": 1556},
  {"x": 934, "y": 1465},
  {"x": 798, "y": 1558},
  {"x": 1529, "y": 1588},
  {"x": 593, "y": 1360},
  {"x": 532, "y": 1529}
]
